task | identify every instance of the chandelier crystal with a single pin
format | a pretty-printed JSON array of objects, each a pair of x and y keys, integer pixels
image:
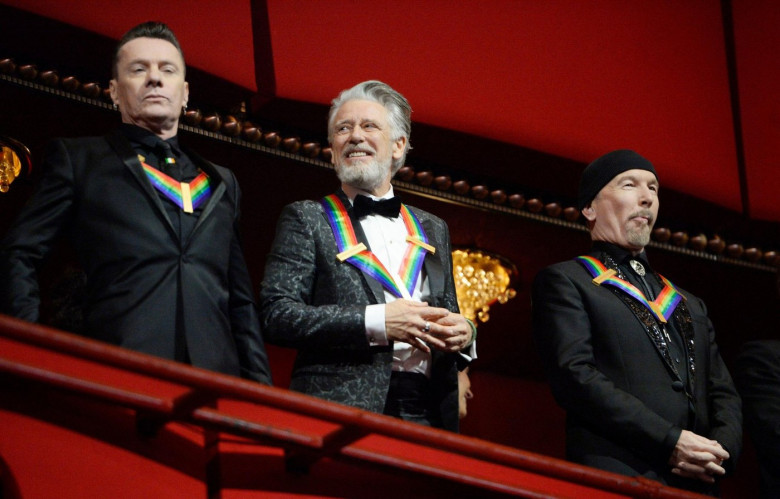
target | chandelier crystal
[{"x": 481, "y": 279}]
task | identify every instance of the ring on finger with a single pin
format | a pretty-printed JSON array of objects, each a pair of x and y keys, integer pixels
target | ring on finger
[{"x": 427, "y": 327}]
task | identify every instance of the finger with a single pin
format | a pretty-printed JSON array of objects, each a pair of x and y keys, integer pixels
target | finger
[
  {"x": 435, "y": 313},
  {"x": 420, "y": 344},
  {"x": 690, "y": 467},
  {"x": 458, "y": 339},
  {"x": 431, "y": 340},
  {"x": 702, "y": 457},
  {"x": 443, "y": 332},
  {"x": 714, "y": 468},
  {"x": 454, "y": 319},
  {"x": 721, "y": 453}
]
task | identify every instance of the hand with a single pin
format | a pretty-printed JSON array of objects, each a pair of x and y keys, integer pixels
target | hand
[
  {"x": 457, "y": 335},
  {"x": 406, "y": 320},
  {"x": 697, "y": 457}
]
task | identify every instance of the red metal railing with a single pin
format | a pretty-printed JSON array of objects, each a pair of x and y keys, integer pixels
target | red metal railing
[{"x": 297, "y": 431}]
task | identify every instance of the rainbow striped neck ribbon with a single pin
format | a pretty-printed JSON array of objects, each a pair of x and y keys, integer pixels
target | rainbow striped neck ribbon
[
  {"x": 355, "y": 253},
  {"x": 187, "y": 196},
  {"x": 662, "y": 307}
]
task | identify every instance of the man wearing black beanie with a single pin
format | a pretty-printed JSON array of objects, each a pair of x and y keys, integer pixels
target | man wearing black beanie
[{"x": 630, "y": 356}]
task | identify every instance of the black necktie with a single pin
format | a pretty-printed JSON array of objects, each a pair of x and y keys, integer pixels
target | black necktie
[
  {"x": 364, "y": 205},
  {"x": 167, "y": 160}
]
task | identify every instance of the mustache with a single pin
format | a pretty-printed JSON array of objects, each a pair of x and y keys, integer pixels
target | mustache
[{"x": 645, "y": 214}]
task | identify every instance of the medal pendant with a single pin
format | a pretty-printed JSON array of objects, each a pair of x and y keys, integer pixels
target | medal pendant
[
  {"x": 638, "y": 267},
  {"x": 186, "y": 198}
]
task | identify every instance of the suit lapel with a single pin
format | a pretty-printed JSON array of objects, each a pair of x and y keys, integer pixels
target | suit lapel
[
  {"x": 129, "y": 157},
  {"x": 432, "y": 263},
  {"x": 376, "y": 288},
  {"x": 218, "y": 189}
]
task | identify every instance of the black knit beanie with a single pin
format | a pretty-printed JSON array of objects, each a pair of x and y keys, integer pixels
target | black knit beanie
[{"x": 602, "y": 170}]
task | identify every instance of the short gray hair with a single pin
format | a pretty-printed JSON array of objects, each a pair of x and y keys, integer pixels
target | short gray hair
[{"x": 398, "y": 110}]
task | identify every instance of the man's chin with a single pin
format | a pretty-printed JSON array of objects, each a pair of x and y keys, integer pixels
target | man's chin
[
  {"x": 639, "y": 239},
  {"x": 366, "y": 176}
]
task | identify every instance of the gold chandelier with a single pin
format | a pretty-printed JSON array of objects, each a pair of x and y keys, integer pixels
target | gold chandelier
[
  {"x": 481, "y": 279},
  {"x": 12, "y": 155}
]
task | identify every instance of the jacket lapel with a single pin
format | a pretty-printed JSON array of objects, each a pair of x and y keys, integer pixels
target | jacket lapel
[
  {"x": 217, "y": 184},
  {"x": 129, "y": 157},
  {"x": 376, "y": 288},
  {"x": 432, "y": 264}
]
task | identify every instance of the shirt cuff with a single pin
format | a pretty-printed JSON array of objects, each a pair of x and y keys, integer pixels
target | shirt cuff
[{"x": 375, "y": 325}]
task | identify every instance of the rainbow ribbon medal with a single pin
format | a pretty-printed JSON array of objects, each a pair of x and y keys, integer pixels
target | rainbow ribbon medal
[
  {"x": 355, "y": 253},
  {"x": 662, "y": 307},
  {"x": 187, "y": 196}
]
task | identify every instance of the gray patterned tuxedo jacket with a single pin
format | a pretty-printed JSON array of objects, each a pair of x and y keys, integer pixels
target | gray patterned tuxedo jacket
[{"x": 316, "y": 304}]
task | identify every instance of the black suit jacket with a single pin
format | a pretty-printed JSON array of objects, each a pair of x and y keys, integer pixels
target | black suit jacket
[
  {"x": 139, "y": 274},
  {"x": 312, "y": 302},
  {"x": 624, "y": 404}
]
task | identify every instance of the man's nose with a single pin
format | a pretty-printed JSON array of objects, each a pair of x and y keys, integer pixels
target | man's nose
[
  {"x": 356, "y": 135},
  {"x": 155, "y": 77},
  {"x": 646, "y": 196}
]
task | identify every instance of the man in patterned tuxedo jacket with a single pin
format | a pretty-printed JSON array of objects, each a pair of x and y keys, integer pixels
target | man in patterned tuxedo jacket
[
  {"x": 630, "y": 357},
  {"x": 362, "y": 285}
]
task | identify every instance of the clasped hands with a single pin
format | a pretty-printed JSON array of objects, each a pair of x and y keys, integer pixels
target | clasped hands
[
  {"x": 698, "y": 457},
  {"x": 426, "y": 327}
]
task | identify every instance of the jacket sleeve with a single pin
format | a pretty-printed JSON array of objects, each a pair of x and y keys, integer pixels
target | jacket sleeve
[
  {"x": 562, "y": 332},
  {"x": 294, "y": 311},
  {"x": 723, "y": 400},
  {"x": 244, "y": 321},
  {"x": 33, "y": 234}
]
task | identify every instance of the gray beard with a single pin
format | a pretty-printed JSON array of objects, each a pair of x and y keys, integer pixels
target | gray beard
[
  {"x": 639, "y": 237},
  {"x": 367, "y": 177}
]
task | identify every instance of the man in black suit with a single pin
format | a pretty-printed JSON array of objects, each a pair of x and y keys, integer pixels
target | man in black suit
[
  {"x": 631, "y": 357},
  {"x": 362, "y": 285},
  {"x": 155, "y": 226}
]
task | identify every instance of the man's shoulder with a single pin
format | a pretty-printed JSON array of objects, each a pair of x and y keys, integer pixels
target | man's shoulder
[
  {"x": 306, "y": 211},
  {"x": 425, "y": 216},
  {"x": 87, "y": 142},
  {"x": 568, "y": 270},
  {"x": 305, "y": 205},
  {"x": 570, "y": 266}
]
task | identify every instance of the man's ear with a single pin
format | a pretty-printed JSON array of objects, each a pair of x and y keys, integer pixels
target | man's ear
[
  {"x": 589, "y": 213},
  {"x": 399, "y": 145},
  {"x": 113, "y": 91}
]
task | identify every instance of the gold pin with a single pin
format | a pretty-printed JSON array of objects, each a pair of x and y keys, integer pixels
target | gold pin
[
  {"x": 416, "y": 241},
  {"x": 354, "y": 250},
  {"x": 603, "y": 277}
]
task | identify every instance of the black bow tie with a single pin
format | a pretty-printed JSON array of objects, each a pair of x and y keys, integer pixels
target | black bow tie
[{"x": 364, "y": 206}]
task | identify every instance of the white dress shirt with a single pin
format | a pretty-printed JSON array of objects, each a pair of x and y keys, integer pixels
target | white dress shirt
[{"x": 387, "y": 240}]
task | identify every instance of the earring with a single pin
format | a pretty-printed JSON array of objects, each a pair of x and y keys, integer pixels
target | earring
[{"x": 116, "y": 106}]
